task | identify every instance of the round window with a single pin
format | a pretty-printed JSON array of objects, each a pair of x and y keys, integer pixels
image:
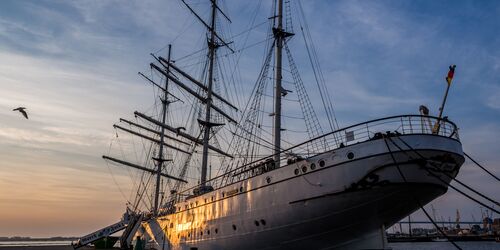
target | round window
[
  {"x": 350, "y": 155},
  {"x": 304, "y": 169},
  {"x": 268, "y": 179},
  {"x": 313, "y": 166},
  {"x": 296, "y": 171},
  {"x": 322, "y": 163}
]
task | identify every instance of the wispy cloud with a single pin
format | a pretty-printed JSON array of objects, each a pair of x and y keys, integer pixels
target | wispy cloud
[{"x": 74, "y": 64}]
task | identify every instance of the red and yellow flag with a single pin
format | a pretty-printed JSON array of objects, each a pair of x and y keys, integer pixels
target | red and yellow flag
[{"x": 450, "y": 74}]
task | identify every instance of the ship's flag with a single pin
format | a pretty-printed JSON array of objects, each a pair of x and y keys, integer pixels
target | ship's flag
[{"x": 450, "y": 74}]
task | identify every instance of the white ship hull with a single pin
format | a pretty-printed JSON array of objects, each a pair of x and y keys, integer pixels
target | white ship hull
[{"x": 344, "y": 203}]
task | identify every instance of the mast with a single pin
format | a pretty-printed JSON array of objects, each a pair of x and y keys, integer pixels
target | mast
[
  {"x": 207, "y": 125},
  {"x": 160, "y": 159},
  {"x": 279, "y": 36}
]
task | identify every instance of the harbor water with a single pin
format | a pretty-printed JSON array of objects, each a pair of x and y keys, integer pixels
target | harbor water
[{"x": 483, "y": 245}]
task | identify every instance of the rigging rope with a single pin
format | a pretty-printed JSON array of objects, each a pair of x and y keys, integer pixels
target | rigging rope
[
  {"x": 113, "y": 176},
  {"x": 318, "y": 73}
]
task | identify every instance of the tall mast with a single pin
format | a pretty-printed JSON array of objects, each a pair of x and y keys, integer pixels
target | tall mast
[
  {"x": 212, "y": 46},
  {"x": 279, "y": 36},
  {"x": 160, "y": 159}
]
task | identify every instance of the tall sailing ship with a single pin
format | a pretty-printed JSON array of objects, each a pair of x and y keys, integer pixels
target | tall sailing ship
[{"x": 338, "y": 189}]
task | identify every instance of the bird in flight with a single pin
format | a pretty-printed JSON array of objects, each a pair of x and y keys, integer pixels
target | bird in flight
[{"x": 22, "y": 110}]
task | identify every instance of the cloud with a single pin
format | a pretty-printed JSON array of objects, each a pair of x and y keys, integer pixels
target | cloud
[
  {"x": 74, "y": 64},
  {"x": 493, "y": 100}
]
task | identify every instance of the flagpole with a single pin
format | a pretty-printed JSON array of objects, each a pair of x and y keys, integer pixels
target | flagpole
[{"x": 448, "y": 81}]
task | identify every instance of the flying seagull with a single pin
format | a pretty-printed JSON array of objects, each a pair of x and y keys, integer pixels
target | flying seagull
[{"x": 22, "y": 110}]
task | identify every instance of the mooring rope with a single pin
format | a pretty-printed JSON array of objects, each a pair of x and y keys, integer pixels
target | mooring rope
[
  {"x": 479, "y": 165},
  {"x": 448, "y": 184},
  {"x": 416, "y": 199}
]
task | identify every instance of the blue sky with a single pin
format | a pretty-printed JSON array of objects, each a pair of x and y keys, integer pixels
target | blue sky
[{"x": 74, "y": 65}]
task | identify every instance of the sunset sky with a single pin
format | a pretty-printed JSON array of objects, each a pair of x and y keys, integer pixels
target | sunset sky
[{"x": 74, "y": 64}]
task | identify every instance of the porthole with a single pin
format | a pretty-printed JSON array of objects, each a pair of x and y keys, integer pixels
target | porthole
[
  {"x": 241, "y": 189},
  {"x": 296, "y": 171},
  {"x": 234, "y": 227},
  {"x": 263, "y": 222},
  {"x": 313, "y": 166},
  {"x": 205, "y": 200},
  {"x": 257, "y": 223},
  {"x": 189, "y": 234},
  {"x": 216, "y": 230},
  {"x": 212, "y": 198},
  {"x": 350, "y": 155},
  {"x": 201, "y": 233},
  {"x": 321, "y": 163},
  {"x": 208, "y": 232},
  {"x": 268, "y": 179},
  {"x": 223, "y": 194},
  {"x": 196, "y": 203},
  {"x": 304, "y": 169}
]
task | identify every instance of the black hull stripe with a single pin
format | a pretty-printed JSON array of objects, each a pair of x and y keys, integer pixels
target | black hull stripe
[{"x": 403, "y": 184}]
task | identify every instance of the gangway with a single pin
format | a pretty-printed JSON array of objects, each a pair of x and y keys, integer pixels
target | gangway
[
  {"x": 129, "y": 221},
  {"x": 128, "y": 234}
]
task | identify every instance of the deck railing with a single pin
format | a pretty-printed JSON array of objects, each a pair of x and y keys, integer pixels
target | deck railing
[
  {"x": 402, "y": 124},
  {"x": 373, "y": 129}
]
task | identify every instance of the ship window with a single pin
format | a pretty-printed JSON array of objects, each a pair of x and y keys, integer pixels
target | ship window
[
  {"x": 234, "y": 227},
  {"x": 208, "y": 232},
  {"x": 212, "y": 198},
  {"x": 216, "y": 230},
  {"x": 189, "y": 234},
  {"x": 205, "y": 200},
  {"x": 263, "y": 222},
  {"x": 350, "y": 155},
  {"x": 313, "y": 166},
  {"x": 321, "y": 163},
  {"x": 296, "y": 171},
  {"x": 268, "y": 179},
  {"x": 241, "y": 189},
  {"x": 223, "y": 194},
  {"x": 304, "y": 169},
  {"x": 201, "y": 233},
  {"x": 196, "y": 203},
  {"x": 257, "y": 223}
]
